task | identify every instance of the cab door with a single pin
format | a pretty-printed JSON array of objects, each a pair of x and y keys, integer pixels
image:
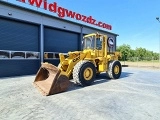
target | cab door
[{"x": 99, "y": 46}]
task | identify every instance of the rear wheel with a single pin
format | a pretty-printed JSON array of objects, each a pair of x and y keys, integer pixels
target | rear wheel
[
  {"x": 114, "y": 69},
  {"x": 84, "y": 73},
  {"x": 97, "y": 74}
]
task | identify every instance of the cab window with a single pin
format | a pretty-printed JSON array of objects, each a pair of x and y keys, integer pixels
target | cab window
[{"x": 99, "y": 43}]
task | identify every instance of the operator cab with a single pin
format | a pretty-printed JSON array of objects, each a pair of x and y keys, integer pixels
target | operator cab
[{"x": 93, "y": 42}]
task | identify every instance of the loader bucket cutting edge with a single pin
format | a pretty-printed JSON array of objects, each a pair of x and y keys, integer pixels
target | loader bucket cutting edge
[{"x": 49, "y": 80}]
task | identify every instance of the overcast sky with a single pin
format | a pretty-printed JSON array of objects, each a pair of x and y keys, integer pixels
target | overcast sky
[{"x": 134, "y": 20}]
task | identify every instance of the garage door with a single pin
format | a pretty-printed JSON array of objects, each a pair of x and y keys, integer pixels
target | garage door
[
  {"x": 58, "y": 41},
  {"x": 18, "y": 48}
]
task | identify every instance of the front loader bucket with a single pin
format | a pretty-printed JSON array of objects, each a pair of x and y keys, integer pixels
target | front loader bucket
[{"x": 49, "y": 80}]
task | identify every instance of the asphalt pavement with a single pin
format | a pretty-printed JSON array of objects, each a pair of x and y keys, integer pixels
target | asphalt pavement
[{"x": 135, "y": 96}]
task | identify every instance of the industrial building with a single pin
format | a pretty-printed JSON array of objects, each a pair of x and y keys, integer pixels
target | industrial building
[{"x": 29, "y": 37}]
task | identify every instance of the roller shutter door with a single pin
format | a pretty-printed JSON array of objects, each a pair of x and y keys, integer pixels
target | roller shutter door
[
  {"x": 59, "y": 41},
  {"x": 18, "y": 36}
]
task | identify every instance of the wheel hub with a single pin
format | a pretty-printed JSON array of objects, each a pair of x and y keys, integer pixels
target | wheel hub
[
  {"x": 88, "y": 73},
  {"x": 116, "y": 69}
]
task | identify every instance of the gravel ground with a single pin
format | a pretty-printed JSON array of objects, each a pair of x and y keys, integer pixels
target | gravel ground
[
  {"x": 150, "y": 64},
  {"x": 135, "y": 96}
]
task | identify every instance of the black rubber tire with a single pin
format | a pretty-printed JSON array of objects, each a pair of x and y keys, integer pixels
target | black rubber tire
[
  {"x": 108, "y": 73},
  {"x": 112, "y": 65},
  {"x": 97, "y": 75},
  {"x": 79, "y": 70}
]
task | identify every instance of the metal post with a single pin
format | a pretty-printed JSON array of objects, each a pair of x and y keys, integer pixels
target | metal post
[
  {"x": 153, "y": 61},
  {"x": 137, "y": 61},
  {"x": 81, "y": 37},
  {"x": 157, "y": 18},
  {"x": 159, "y": 46},
  {"x": 41, "y": 43}
]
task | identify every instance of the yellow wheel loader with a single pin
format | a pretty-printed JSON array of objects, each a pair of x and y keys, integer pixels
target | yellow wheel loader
[{"x": 82, "y": 66}]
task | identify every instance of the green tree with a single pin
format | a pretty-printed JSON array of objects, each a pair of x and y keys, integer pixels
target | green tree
[
  {"x": 132, "y": 55},
  {"x": 140, "y": 53},
  {"x": 156, "y": 56},
  {"x": 149, "y": 55},
  {"x": 125, "y": 51}
]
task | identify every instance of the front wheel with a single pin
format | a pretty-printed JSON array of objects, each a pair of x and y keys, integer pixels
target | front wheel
[
  {"x": 84, "y": 73},
  {"x": 114, "y": 69}
]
